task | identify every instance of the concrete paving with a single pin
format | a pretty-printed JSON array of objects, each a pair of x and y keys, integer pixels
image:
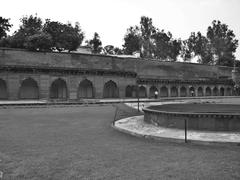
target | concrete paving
[
  {"x": 123, "y": 100},
  {"x": 136, "y": 126}
]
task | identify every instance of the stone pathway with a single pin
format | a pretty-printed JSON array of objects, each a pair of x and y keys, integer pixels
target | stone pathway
[{"x": 136, "y": 126}]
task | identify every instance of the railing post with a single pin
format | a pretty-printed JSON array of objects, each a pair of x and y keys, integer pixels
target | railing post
[{"x": 185, "y": 127}]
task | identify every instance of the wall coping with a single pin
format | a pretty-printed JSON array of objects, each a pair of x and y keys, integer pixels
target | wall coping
[{"x": 192, "y": 114}]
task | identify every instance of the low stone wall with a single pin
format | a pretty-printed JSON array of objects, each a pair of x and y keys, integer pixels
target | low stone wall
[{"x": 195, "y": 121}]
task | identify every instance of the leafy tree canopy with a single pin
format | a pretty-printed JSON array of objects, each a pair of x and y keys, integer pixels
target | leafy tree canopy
[
  {"x": 34, "y": 35},
  {"x": 64, "y": 36},
  {"x": 110, "y": 49},
  {"x": 217, "y": 47},
  {"x": 95, "y": 44},
  {"x": 4, "y": 27},
  {"x": 151, "y": 42}
]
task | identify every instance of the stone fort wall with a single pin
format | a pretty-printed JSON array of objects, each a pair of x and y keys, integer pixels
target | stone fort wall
[{"x": 41, "y": 75}]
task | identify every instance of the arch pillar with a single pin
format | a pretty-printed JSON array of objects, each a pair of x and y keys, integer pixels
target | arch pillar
[
  {"x": 98, "y": 83},
  {"x": 204, "y": 90},
  {"x": 188, "y": 91},
  {"x": 169, "y": 90},
  {"x": 73, "y": 87},
  {"x": 148, "y": 91},
  {"x": 196, "y": 91},
  {"x": 179, "y": 92},
  {"x": 121, "y": 84},
  {"x": 44, "y": 86},
  {"x": 13, "y": 86}
]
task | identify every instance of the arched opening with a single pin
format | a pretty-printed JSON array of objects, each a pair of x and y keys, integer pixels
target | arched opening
[
  {"x": 128, "y": 92},
  {"x": 3, "y": 90},
  {"x": 85, "y": 89},
  {"x": 208, "y": 91},
  {"x": 183, "y": 92},
  {"x": 29, "y": 89},
  {"x": 229, "y": 91},
  {"x": 221, "y": 91},
  {"x": 192, "y": 91},
  {"x": 200, "y": 91},
  {"x": 152, "y": 91},
  {"x": 164, "y": 91},
  {"x": 110, "y": 90},
  {"x": 215, "y": 91},
  {"x": 174, "y": 91},
  {"x": 142, "y": 92},
  {"x": 58, "y": 89}
]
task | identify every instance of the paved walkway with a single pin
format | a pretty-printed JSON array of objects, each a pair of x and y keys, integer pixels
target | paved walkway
[
  {"x": 119, "y": 100},
  {"x": 136, "y": 126}
]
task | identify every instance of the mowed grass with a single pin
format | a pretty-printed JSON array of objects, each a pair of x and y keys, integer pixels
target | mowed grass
[{"x": 79, "y": 143}]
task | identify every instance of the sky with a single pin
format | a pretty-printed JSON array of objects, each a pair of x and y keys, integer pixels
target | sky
[{"x": 111, "y": 18}]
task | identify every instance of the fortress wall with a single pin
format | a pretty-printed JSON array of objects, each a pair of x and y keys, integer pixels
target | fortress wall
[
  {"x": 109, "y": 67},
  {"x": 143, "y": 67}
]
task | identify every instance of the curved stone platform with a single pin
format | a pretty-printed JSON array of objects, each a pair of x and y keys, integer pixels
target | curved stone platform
[
  {"x": 211, "y": 117},
  {"x": 138, "y": 127}
]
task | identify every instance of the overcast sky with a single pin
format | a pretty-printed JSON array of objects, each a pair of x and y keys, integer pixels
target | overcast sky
[{"x": 111, "y": 18}]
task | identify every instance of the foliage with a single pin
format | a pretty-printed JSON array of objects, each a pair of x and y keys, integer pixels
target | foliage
[
  {"x": 223, "y": 43},
  {"x": 4, "y": 26},
  {"x": 217, "y": 47},
  {"x": 151, "y": 42},
  {"x": 34, "y": 35},
  {"x": 64, "y": 36},
  {"x": 198, "y": 46},
  {"x": 39, "y": 42},
  {"x": 29, "y": 26},
  {"x": 110, "y": 49},
  {"x": 95, "y": 44},
  {"x": 132, "y": 40}
]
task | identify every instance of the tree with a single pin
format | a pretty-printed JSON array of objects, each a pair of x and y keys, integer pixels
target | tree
[
  {"x": 64, "y": 36},
  {"x": 175, "y": 48},
  {"x": 110, "y": 49},
  {"x": 39, "y": 42},
  {"x": 30, "y": 25},
  {"x": 151, "y": 42},
  {"x": 223, "y": 43},
  {"x": 95, "y": 44},
  {"x": 216, "y": 48},
  {"x": 147, "y": 32},
  {"x": 198, "y": 46},
  {"x": 132, "y": 40},
  {"x": 161, "y": 41},
  {"x": 4, "y": 27}
]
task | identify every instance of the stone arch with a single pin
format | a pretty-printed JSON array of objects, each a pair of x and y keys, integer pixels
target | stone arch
[
  {"x": 164, "y": 91},
  {"x": 128, "y": 91},
  {"x": 208, "y": 91},
  {"x": 221, "y": 91},
  {"x": 142, "y": 92},
  {"x": 174, "y": 91},
  {"x": 110, "y": 90},
  {"x": 192, "y": 91},
  {"x": 131, "y": 91},
  {"x": 3, "y": 89},
  {"x": 228, "y": 91},
  {"x": 29, "y": 89},
  {"x": 215, "y": 91},
  {"x": 85, "y": 89},
  {"x": 183, "y": 91},
  {"x": 200, "y": 91},
  {"x": 152, "y": 91},
  {"x": 58, "y": 89}
]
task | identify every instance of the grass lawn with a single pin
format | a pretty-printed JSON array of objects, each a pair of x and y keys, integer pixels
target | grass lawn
[{"x": 78, "y": 143}]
